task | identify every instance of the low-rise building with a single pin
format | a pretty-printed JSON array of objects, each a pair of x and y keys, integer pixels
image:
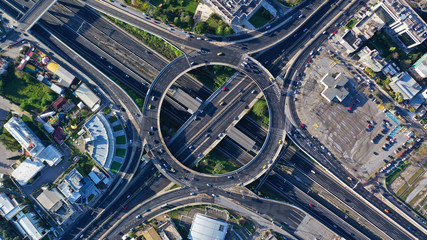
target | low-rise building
[
  {"x": 65, "y": 77},
  {"x": 420, "y": 67},
  {"x": 56, "y": 205},
  {"x": 24, "y": 135},
  {"x": 334, "y": 87},
  {"x": 371, "y": 58},
  {"x": 404, "y": 84},
  {"x": 88, "y": 97},
  {"x": 206, "y": 228},
  {"x": 27, "y": 170},
  {"x": 350, "y": 41},
  {"x": 8, "y": 207}
]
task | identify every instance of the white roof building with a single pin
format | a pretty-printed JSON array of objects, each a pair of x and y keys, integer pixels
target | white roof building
[
  {"x": 406, "y": 85},
  {"x": 87, "y": 96},
  {"x": 50, "y": 155},
  {"x": 28, "y": 227},
  {"x": 206, "y": 228},
  {"x": 48, "y": 199},
  {"x": 103, "y": 144},
  {"x": 8, "y": 207},
  {"x": 420, "y": 66},
  {"x": 24, "y": 135},
  {"x": 27, "y": 170}
]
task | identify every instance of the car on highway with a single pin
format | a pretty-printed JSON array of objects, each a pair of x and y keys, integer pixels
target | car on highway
[
  {"x": 311, "y": 205},
  {"x": 280, "y": 141},
  {"x": 214, "y": 195},
  {"x": 312, "y": 171},
  {"x": 310, "y": 60},
  {"x": 125, "y": 207},
  {"x": 138, "y": 217},
  {"x": 386, "y": 210},
  {"x": 193, "y": 194},
  {"x": 209, "y": 185},
  {"x": 335, "y": 32},
  {"x": 264, "y": 167},
  {"x": 221, "y": 103},
  {"x": 302, "y": 125},
  {"x": 230, "y": 177},
  {"x": 224, "y": 88},
  {"x": 154, "y": 21},
  {"x": 147, "y": 210},
  {"x": 220, "y": 54}
]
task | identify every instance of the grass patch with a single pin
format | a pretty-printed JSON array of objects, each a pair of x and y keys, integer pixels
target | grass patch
[
  {"x": 259, "y": 112},
  {"x": 85, "y": 164},
  {"x": 175, "y": 186},
  {"x": 117, "y": 128},
  {"x": 291, "y": 3},
  {"x": 215, "y": 163},
  {"x": 260, "y": 18},
  {"x": 351, "y": 23},
  {"x": 390, "y": 178},
  {"x": 112, "y": 119},
  {"x": 22, "y": 89},
  {"x": 268, "y": 192},
  {"x": 411, "y": 188},
  {"x": 90, "y": 197},
  {"x": 214, "y": 76},
  {"x": 115, "y": 167},
  {"x": 120, "y": 152},
  {"x": 402, "y": 189},
  {"x": 415, "y": 175},
  {"x": 121, "y": 139},
  {"x": 159, "y": 45}
]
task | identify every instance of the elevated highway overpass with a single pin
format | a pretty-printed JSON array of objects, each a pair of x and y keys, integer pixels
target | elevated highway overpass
[{"x": 34, "y": 14}]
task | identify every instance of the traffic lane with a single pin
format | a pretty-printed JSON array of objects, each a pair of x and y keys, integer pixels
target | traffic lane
[
  {"x": 321, "y": 213},
  {"x": 313, "y": 26},
  {"x": 344, "y": 195},
  {"x": 204, "y": 126},
  {"x": 210, "y": 110},
  {"x": 217, "y": 130}
]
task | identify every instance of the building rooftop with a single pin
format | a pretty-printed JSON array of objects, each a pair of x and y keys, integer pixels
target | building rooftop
[
  {"x": 27, "y": 170},
  {"x": 58, "y": 103},
  {"x": 48, "y": 199},
  {"x": 65, "y": 77},
  {"x": 50, "y": 155},
  {"x": 24, "y": 135},
  {"x": 406, "y": 85},
  {"x": 371, "y": 58},
  {"x": 420, "y": 66},
  {"x": 8, "y": 207},
  {"x": 29, "y": 227},
  {"x": 151, "y": 234},
  {"x": 206, "y": 228},
  {"x": 103, "y": 145},
  {"x": 334, "y": 87},
  {"x": 87, "y": 96}
]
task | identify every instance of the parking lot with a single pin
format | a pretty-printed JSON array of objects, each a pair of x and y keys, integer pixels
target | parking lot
[{"x": 347, "y": 128}]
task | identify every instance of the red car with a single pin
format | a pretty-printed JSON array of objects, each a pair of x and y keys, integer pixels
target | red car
[
  {"x": 335, "y": 32},
  {"x": 223, "y": 89},
  {"x": 310, "y": 60},
  {"x": 303, "y": 125},
  {"x": 154, "y": 21},
  {"x": 125, "y": 207},
  {"x": 311, "y": 205}
]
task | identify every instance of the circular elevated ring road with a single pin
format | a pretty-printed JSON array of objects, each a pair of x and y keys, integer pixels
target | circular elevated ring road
[{"x": 154, "y": 140}]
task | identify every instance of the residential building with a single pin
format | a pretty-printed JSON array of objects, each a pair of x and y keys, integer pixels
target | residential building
[
  {"x": 8, "y": 207},
  {"x": 151, "y": 234},
  {"x": 167, "y": 230},
  {"x": 88, "y": 97},
  {"x": 206, "y": 228},
  {"x": 334, "y": 87},
  {"x": 406, "y": 24},
  {"x": 55, "y": 205},
  {"x": 27, "y": 170},
  {"x": 403, "y": 83},
  {"x": 71, "y": 185}
]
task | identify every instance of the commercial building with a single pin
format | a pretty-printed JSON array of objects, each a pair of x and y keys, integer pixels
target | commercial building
[
  {"x": 151, "y": 234},
  {"x": 8, "y": 207},
  {"x": 206, "y": 228},
  {"x": 420, "y": 66},
  {"x": 101, "y": 148},
  {"x": 403, "y": 83},
  {"x": 334, "y": 87},
  {"x": 236, "y": 12},
  {"x": 50, "y": 155},
  {"x": 55, "y": 204},
  {"x": 350, "y": 41},
  {"x": 27, "y": 170},
  {"x": 406, "y": 24},
  {"x": 87, "y": 96},
  {"x": 24, "y": 135}
]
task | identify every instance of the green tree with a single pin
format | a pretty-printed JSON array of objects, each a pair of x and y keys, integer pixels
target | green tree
[
  {"x": 399, "y": 97},
  {"x": 218, "y": 167},
  {"x": 200, "y": 27},
  {"x": 176, "y": 21},
  {"x": 260, "y": 108},
  {"x": 370, "y": 72},
  {"x": 228, "y": 30},
  {"x": 390, "y": 106},
  {"x": 219, "y": 31}
]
